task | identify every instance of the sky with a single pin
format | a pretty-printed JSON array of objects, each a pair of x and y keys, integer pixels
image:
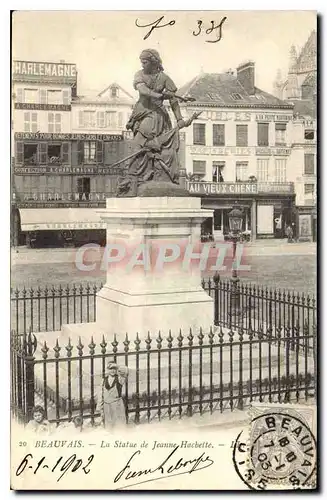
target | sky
[{"x": 105, "y": 45}]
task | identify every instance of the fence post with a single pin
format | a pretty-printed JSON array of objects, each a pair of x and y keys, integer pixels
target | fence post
[
  {"x": 216, "y": 280},
  {"x": 29, "y": 349}
]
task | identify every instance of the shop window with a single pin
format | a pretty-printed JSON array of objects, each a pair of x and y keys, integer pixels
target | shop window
[
  {"x": 241, "y": 135},
  {"x": 309, "y": 134},
  {"x": 280, "y": 134},
  {"x": 263, "y": 130},
  {"x": 89, "y": 151},
  {"x": 54, "y": 153},
  {"x": 54, "y": 123},
  {"x": 218, "y": 134},
  {"x": 30, "y": 122},
  {"x": 30, "y": 154},
  {"x": 241, "y": 171},
  {"x": 309, "y": 164},
  {"x": 199, "y": 134},
  {"x": 84, "y": 185},
  {"x": 217, "y": 171}
]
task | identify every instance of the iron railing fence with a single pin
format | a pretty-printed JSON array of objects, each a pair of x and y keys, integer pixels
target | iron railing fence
[{"x": 186, "y": 374}]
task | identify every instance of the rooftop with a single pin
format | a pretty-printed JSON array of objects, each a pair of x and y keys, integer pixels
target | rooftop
[{"x": 224, "y": 89}]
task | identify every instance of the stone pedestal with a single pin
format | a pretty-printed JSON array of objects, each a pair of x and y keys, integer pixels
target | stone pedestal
[{"x": 142, "y": 293}]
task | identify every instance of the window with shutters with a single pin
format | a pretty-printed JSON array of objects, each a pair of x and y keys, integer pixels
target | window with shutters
[
  {"x": 217, "y": 171},
  {"x": 218, "y": 134},
  {"x": 309, "y": 189},
  {"x": 241, "y": 135},
  {"x": 54, "y": 123},
  {"x": 262, "y": 170},
  {"x": 65, "y": 150},
  {"x": 309, "y": 164},
  {"x": 263, "y": 131},
  {"x": 43, "y": 153},
  {"x": 20, "y": 95},
  {"x": 31, "y": 96},
  {"x": 199, "y": 167},
  {"x": 54, "y": 153},
  {"x": 199, "y": 134},
  {"x": 280, "y": 134},
  {"x": 54, "y": 96},
  {"x": 90, "y": 151},
  {"x": 66, "y": 96},
  {"x": 30, "y": 122},
  {"x": 81, "y": 119},
  {"x": 99, "y": 155},
  {"x": 30, "y": 154},
  {"x": 84, "y": 185},
  {"x": 111, "y": 119},
  {"x": 280, "y": 170},
  {"x": 100, "y": 119},
  {"x": 19, "y": 157},
  {"x": 241, "y": 171},
  {"x": 43, "y": 96},
  {"x": 120, "y": 119}
]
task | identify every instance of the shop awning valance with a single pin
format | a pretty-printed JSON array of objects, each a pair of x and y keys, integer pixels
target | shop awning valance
[{"x": 49, "y": 219}]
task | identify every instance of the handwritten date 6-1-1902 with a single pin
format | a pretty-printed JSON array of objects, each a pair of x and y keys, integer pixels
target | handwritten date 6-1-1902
[{"x": 62, "y": 465}]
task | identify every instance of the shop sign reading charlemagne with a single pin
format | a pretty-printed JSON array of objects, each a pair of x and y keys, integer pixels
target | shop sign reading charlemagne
[{"x": 31, "y": 70}]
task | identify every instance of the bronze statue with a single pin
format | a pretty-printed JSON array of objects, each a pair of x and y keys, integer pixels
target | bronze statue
[{"x": 153, "y": 168}]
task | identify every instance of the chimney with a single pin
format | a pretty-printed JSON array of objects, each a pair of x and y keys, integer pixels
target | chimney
[{"x": 245, "y": 75}]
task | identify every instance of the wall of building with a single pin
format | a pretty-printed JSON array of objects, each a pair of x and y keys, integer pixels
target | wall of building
[{"x": 230, "y": 153}]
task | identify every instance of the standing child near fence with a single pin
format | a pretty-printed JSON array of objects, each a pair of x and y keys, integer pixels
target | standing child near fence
[{"x": 110, "y": 403}]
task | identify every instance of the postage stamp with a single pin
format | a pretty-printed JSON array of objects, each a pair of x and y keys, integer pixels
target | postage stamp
[{"x": 279, "y": 448}]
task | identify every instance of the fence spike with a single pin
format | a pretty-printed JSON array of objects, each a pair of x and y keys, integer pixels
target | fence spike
[
  {"x": 137, "y": 342},
  {"x": 114, "y": 344}
]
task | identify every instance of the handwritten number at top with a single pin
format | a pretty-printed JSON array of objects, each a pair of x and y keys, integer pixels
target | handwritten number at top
[
  {"x": 210, "y": 30},
  {"x": 156, "y": 24}
]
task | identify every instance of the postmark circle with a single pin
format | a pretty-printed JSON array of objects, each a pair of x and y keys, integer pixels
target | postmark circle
[{"x": 280, "y": 451}]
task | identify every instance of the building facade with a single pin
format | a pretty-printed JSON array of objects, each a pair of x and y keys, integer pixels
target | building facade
[
  {"x": 239, "y": 150},
  {"x": 63, "y": 150},
  {"x": 300, "y": 88}
]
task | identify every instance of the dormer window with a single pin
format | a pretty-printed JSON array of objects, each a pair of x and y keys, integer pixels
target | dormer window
[{"x": 236, "y": 97}]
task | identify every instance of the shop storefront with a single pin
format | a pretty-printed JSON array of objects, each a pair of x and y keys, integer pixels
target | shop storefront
[
  {"x": 267, "y": 211},
  {"x": 61, "y": 227}
]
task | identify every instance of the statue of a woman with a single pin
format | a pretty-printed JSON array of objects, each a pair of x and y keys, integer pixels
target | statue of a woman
[{"x": 154, "y": 136}]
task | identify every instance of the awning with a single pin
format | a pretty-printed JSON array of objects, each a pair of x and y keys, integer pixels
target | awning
[{"x": 49, "y": 219}]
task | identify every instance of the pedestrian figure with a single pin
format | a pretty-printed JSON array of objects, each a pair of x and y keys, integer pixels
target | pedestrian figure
[
  {"x": 39, "y": 423},
  {"x": 110, "y": 403},
  {"x": 289, "y": 234}
]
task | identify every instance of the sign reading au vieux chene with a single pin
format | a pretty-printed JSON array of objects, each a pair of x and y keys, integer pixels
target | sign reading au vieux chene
[{"x": 211, "y": 188}]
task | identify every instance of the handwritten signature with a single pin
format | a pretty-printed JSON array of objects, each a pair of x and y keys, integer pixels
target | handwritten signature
[
  {"x": 156, "y": 25},
  {"x": 168, "y": 467}
]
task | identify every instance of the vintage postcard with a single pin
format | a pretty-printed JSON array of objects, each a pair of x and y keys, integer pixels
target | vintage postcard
[{"x": 163, "y": 250}]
